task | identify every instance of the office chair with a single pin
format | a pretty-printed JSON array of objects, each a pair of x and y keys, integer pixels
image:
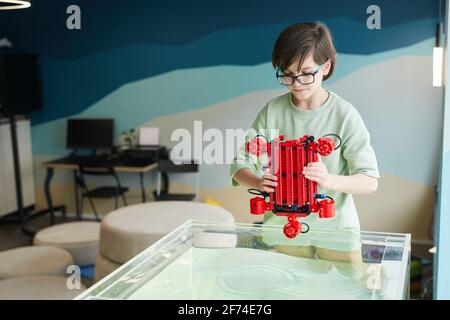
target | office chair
[{"x": 103, "y": 191}]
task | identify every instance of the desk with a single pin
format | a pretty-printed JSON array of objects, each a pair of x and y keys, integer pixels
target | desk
[
  {"x": 168, "y": 166},
  {"x": 68, "y": 164}
]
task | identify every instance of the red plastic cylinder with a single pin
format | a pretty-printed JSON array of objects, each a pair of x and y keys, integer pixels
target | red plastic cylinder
[
  {"x": 257, "y": 205},
  {"x": 327, "y": 209},
  {"x": 293, "y": 227},
  {"x": 256, "y": 146},
  {"x": 292, "y": 230},
  {"x": 325, "y": 146}
]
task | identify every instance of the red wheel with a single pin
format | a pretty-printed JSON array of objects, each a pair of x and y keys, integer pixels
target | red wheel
[
  {"x": 291, "y": 230},
  {"x": 325, "y": 146},
  {"x": 292, "y": 219},
  {"x": 257, "y": 146}
]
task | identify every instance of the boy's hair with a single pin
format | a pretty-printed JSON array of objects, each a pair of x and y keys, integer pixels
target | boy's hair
[{"x": 298, "y": 40}]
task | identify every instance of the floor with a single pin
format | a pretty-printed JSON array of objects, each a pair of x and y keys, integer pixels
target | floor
[{"x": 11, "y": 235}]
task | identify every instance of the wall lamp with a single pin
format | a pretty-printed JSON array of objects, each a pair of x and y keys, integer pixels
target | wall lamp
[{"x": 14, "y": 4}]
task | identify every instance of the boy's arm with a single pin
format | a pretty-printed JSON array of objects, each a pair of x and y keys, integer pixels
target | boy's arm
[
  {"x": 246, "y": 178},
  {"x": 358, "y": 183},
  {"x": 355, "y": 184},
  {"x": 361, "y": 162},
  {"x": 244, "y": 167}
]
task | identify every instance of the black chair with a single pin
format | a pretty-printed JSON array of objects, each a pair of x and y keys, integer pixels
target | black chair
[{"x": 103, "y": 191}]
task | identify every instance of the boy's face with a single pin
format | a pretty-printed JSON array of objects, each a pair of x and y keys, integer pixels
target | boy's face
[{"x": 306, "y": 91}]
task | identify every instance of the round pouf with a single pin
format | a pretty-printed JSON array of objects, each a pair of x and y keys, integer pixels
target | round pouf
[
  {"x": 129, "y": 230},
  {"x": 34, "y": 260},
  {"x": 80, "y": 238},
  {"x": 103, "y": 267},
  {"x": 38, "y": 288}
]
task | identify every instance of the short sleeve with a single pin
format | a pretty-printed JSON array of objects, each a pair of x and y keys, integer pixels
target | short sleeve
[
  {"x": 357, "y": 150},
  {"x": 243, "y": 159}
]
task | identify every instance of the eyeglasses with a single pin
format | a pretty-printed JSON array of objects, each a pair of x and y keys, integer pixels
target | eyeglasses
[{"x": 304, "y": 78}]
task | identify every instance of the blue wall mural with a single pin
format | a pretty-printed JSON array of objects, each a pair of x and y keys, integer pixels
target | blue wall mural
[{"x": 124, "y": 41}]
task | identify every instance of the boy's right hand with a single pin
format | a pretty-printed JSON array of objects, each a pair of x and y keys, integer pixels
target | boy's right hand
[{"x": 267, "y": 182}]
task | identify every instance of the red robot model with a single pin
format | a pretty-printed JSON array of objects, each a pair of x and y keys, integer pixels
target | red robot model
[{"x": 294, "y": 196}]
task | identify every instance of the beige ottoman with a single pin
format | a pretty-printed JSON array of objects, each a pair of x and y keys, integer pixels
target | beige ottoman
[
  {"x": 80, "y": 238},
  {"x": 103, "y": 267},
  {"x": 127, "y": 231},
  {"x": 37, "y": 288},
  {"x": 34, "y": 260}
]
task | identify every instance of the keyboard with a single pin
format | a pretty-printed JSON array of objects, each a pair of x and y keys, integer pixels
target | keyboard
[{"x": 135, "y": 162}]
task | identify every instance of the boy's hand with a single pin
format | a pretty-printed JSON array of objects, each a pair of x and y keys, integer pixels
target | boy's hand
[
  {"x": 267, "y": 182},
  {"x": 318, "y": 172}
]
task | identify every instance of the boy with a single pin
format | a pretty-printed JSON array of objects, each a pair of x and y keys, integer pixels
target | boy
[{"x": 304, "y": 56}]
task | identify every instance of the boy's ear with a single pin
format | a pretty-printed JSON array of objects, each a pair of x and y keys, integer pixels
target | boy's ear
[{"x": 327, "y": 67}]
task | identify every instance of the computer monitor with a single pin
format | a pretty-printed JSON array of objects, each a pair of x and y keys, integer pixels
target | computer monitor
[{"x": 90, "y": 133}]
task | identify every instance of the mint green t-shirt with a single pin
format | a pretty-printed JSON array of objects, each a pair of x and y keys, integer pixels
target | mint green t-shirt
[{"x": 356, "y": 155}]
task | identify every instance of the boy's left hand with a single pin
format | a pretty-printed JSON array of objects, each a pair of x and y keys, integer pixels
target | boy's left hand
[{"x": 318, "y": 172}]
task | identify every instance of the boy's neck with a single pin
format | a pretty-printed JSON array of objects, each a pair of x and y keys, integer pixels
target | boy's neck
[{"x": 313, "y": 102}]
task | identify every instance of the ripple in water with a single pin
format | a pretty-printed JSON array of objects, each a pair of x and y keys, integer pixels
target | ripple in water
[{"x": 246, "y": 280}]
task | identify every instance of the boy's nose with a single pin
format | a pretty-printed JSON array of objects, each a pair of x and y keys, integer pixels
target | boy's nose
[{"x": 296, "y": 84}]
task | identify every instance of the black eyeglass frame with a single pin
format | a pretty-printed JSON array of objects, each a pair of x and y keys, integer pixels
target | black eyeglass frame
[{"x": 297, "y": 78}]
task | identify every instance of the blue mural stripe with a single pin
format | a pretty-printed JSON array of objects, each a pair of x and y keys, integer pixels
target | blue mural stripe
[
  {"x": 138, "y": 102},
  {"x": 107, "y": 24},
  {"x": 71, "y": 86}
]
